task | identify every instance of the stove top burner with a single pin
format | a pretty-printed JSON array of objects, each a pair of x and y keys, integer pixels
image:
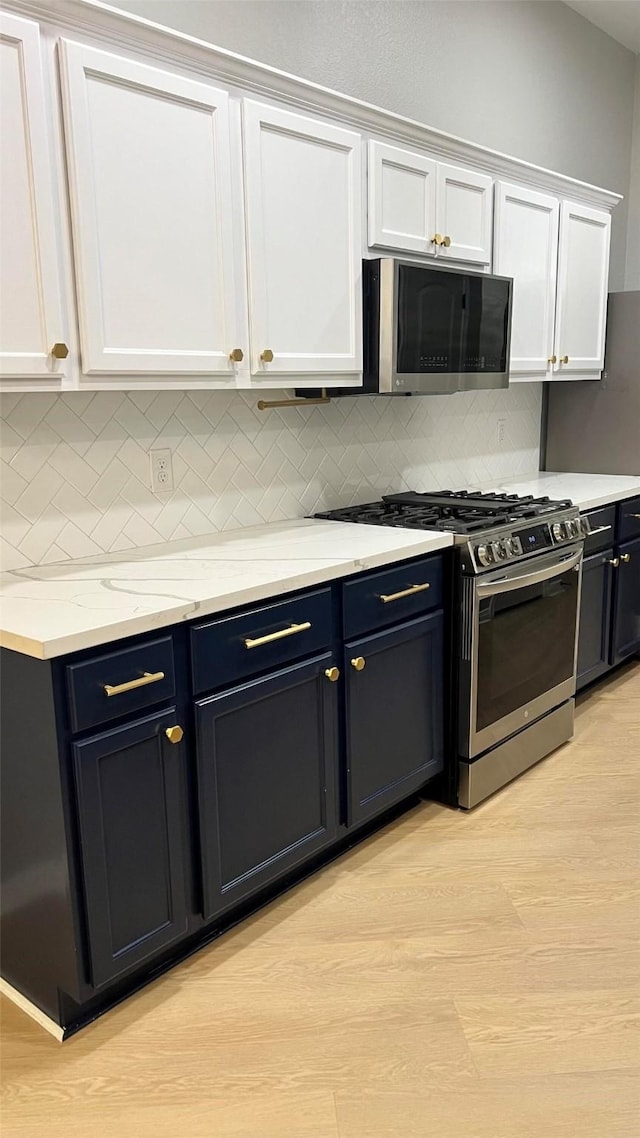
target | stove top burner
[{"x": 462, "y": 512}]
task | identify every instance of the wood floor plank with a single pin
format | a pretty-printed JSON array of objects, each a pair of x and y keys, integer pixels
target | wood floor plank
[{"x": 456, "y": 976}]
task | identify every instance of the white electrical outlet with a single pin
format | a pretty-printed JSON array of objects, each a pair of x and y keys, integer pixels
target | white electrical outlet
[
  {"x": 502, "y": 423},
  {"x": 161, "y": 470}
]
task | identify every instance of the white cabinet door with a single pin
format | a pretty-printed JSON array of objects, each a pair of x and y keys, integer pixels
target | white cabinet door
[
  {"x": 464, "y": 214},
  {"x": 149, "y": 172},
  {"x": 583, "y": 274},
  {"x": 303, "y": 209},
  {"x": 30, "y": 290},
  {"x": 526, "y": 248},
  {"x": 402, "y": 199}
]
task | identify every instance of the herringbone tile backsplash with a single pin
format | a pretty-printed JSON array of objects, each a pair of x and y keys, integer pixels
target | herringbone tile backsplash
[{"x": 75, "y": 476}]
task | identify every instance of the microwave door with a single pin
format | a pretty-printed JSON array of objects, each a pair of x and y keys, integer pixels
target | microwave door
[
  {"x": 428, "y": 325},
  {"x": 485, "y": 334}
]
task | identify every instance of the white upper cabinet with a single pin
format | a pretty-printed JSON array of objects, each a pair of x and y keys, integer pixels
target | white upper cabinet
[
  {"x": 464, "y": 214},
  {"x": 526, "y": 248},
  {"x": 303, "y": 214},
  {"x": 418, "y": 205},
  {"x": 402, "y": 199},
  {"x": 583, "y": 273},
  {"x": 149, "y": 176},
  {"x": 31, "y": 328}
]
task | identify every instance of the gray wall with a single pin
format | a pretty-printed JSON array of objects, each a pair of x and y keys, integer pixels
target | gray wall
[
  {"x": 533, "y": 79},
  {"x": 632, "y": 277}
]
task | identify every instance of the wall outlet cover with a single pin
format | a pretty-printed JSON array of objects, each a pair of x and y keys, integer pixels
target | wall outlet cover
[{"x": 161, "y": 470}]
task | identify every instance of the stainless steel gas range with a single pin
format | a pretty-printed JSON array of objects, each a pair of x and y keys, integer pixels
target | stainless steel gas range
[{"x": 517, "y": 594}]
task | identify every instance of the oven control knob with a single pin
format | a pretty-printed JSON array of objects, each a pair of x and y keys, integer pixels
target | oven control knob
[
  {"x": 585, "y": 525},
  {"x": 559, "y": 531},
  {"x": 485, "y": 556},
  {"x": 498, "y": 550},
  {"x": 512, "y": 546}
]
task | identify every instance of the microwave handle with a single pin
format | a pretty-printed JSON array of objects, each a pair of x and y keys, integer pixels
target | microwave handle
[{"x": 507, "y": 584}]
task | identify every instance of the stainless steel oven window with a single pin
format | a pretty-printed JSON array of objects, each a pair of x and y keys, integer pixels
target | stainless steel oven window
[{"x": 523, "y": 650}]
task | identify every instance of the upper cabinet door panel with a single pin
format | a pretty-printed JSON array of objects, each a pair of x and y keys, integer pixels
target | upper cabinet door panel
[
  {"x": 464, "y": 214},
  {"x": 526, "y": 248},
  {"x": 149, "y": 170},
  {"x": 402, "y": 199},
  {"x": 30, "y": 314},
  {"x": 583, "y": 275},
  {"x": 303, "y": 208}
]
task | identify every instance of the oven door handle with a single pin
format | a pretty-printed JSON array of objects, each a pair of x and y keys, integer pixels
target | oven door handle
[{"x": 507, "y": 584}]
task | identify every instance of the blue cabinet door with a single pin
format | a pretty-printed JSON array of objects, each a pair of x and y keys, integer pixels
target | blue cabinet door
[
  {"x": 266, "y": 754},
  {"x": 394, "y": 714},
  {"x": 594, "y": 633},
  {"x": 130, "y": 803},
  {"x": 626, "y": 611}
]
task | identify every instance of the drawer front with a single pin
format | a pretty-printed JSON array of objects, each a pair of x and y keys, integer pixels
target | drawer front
[
  {"x": 392, "y": 595},
  {"x": 237, "y": 647},
  {"x": 603, "y": 523},
  {"x": 120, "y": 683},
  {"x": 629, "y": 519}
]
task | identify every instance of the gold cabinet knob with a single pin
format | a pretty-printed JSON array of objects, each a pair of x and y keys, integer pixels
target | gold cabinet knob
[
  {"x": 564, "y": 359},
  {"x": 332, "y": 674},
  {"x": 174, "y": 734},
  {"x": 625, "y": 557},
  {"x": 236, "y": 356},
  {"x": 552, "y": 360},
  {"x": 446, "y": 241},
  {"x": 358, "y": 663},
  {"x": 266, "y": 356},
  {"x": 615, "y": 561},
  {"x": 59, "y": 351},
  {"x": 437, "y": 239}
]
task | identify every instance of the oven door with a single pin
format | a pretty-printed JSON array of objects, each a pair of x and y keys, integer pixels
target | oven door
[{"x": 522, "y": 651}]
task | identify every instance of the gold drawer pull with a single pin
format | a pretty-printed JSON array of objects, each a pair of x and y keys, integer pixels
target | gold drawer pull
[
  {"x": 637, "y": 516},
  {"x": 625, "y": 557},
  {"x": 236, "y": 355},
  {"x": 266, "y": 357},
  {"x": 130, "y": 685},
  {"x": 564, "y": 359},
  {"x": 174, "y": 734},
  {"x": 332, "y": 674},
  {"x": 437, "y": 239},
  {"x": 386, "y": 597},
  {"x": 358, "y": 663},
  {"x": 59, "y": 351},
  {"x": 446, "y": 241},
  {"x": 269, "y": 639},
  {"x": 552, "y": 360},
  {"x": 615, "y": 561}
]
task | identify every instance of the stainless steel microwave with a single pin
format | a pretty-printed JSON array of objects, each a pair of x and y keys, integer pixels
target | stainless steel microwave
[{"x": 431, "y": 330}]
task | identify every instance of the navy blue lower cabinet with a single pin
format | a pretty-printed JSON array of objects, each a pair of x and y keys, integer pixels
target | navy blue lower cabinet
[
  {"x": 626, "y": 613},
  {"x": 266, "y": 758},
  {"x": 394, "y": 714},
  {"x": 131, "y": 818},
  {"x": 595, "y": 617}
]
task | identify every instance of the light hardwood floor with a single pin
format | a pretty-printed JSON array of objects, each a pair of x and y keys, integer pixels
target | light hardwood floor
[{"x": 457, "y": 976}]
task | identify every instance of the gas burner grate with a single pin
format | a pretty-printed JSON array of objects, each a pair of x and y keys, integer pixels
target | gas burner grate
[{"x": 461, "y": 512}]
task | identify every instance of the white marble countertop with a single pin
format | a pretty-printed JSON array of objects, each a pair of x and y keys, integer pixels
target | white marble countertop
[
  {"x": 584, "y": 490},
  {"x": 55, "y": 609}
]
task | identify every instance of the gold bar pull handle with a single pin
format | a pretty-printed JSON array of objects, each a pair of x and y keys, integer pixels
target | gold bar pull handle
[
  {"x": 280, "y": 635},
  {"x": 131, "y": 685},
  {"x": 386, "y": 597}
]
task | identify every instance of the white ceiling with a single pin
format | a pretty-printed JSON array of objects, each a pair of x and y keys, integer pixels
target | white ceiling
[{"x": 619, "y": 18}]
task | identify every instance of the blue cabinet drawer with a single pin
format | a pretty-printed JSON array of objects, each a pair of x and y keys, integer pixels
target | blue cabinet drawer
[
  {"x": 396, "y": 594},
  {"x": 237, "y": 647},
  {"x": 603, "y": 525},
  {"x": 628, "y": 519},
  {"x": 120, "y": 683}
]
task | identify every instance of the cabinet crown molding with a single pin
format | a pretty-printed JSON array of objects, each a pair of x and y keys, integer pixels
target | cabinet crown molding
[{"x": 146, "y": 38}]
